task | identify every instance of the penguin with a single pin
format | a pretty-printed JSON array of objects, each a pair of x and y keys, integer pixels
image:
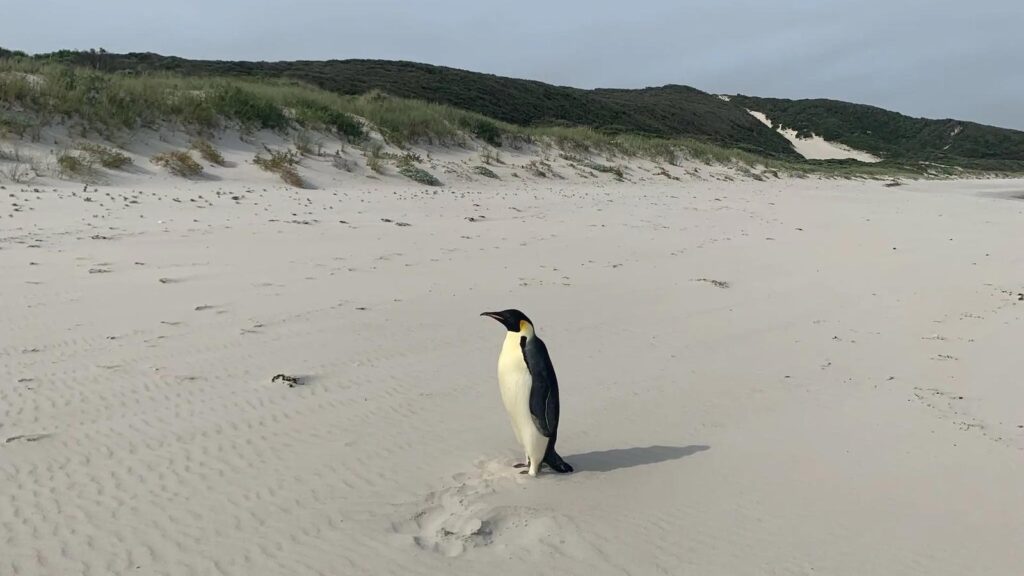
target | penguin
[{"x": 529, "y": 391}]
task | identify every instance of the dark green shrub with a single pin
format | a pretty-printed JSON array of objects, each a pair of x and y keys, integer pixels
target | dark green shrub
[
  {"x": 408, "y": 168},
  {"x": 314, "y": 115},
  {"x": 248, "y": 108},
  {"x": 485, "y": 171},
  {"x": 488, "y": 132}
]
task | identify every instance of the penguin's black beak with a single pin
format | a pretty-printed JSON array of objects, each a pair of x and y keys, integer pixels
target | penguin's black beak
[{"x": 500, "y": 317}]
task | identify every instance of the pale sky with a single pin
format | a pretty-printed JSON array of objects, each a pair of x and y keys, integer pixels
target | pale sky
[{"x": 936, "y": 58}]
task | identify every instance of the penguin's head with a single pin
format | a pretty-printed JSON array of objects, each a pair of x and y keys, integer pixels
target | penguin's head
[{"x": 513, "y": 320}]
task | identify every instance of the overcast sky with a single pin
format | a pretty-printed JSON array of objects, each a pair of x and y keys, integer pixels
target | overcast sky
[{"x": 936, "y": 58}]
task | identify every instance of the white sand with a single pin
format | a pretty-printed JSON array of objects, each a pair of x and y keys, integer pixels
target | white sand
[
  {"x": 816, "y": 147},
  {"x": 850, "y": 404}
]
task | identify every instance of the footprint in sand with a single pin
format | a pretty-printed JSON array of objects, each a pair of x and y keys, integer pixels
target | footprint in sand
[{"x": 458, "y": 519}]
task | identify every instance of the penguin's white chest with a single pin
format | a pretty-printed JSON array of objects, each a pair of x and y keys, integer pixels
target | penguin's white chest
[{"x": 515, "y": 383}]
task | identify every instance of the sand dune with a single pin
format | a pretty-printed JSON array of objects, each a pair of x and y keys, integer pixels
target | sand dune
[
  {"x": 848, "y": 403},
  {"x": 816, "y": 147}
]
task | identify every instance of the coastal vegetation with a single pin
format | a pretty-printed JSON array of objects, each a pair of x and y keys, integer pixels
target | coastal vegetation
[{"x": 370, "y": 104}]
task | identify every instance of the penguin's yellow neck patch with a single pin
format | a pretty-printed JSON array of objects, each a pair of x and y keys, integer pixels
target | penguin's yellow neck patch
[{"x": 525, "y": 327}]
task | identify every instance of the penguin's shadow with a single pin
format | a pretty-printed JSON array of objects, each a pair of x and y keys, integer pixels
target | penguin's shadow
[{"x": 608, "y": 460}]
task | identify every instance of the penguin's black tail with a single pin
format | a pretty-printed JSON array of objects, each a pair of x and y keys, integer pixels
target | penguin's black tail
[{"x": 553, "y": 460}]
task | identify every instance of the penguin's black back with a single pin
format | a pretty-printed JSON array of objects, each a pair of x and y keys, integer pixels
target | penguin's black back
[{"x": 544, "y": 391}]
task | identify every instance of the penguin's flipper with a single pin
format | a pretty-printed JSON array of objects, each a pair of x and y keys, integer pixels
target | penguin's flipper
[{"x": 544, "y": 390}]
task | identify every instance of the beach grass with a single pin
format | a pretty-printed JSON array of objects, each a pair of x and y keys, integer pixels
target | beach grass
[
  {"x": 105, "y": 156},
  {"x": 283, "y": 163},
  {"x": 36, "y": 93},
  {"x": 208, "y": 151},
  {"x": 179, "y": 163}
]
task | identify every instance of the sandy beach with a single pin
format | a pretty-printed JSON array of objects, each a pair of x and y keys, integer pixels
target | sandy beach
[{"x": 788, "y": 376}]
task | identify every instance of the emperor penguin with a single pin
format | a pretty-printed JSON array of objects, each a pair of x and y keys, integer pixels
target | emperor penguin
[{"x": 529, "y": 391}]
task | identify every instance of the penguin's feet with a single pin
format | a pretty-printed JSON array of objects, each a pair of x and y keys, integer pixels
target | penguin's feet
[
  {"x": 520, "y": 465},
  {"x": 562, "y": 467},
  {"x": 555, "y": 462}
]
